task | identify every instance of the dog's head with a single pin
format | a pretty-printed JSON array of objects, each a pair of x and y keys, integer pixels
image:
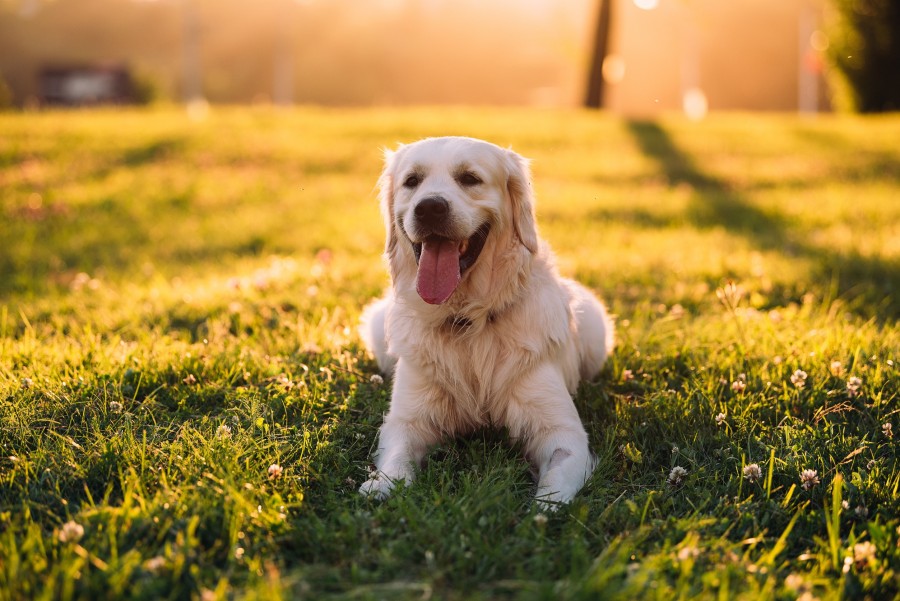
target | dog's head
[{"x": 444, "y": 200}]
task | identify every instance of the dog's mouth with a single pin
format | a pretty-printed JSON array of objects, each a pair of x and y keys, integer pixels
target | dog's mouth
[{"x": 442, "y": 263}]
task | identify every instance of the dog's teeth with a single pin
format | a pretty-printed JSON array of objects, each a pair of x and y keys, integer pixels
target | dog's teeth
[{"x": 463, "y": 246}]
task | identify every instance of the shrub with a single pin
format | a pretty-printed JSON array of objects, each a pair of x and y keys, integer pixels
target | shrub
[
  {"x": 865, "y": 54},
  {"x": 147, "y": 88}
]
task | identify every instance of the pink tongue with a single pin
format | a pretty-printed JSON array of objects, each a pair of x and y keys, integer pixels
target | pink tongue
[{"x": 438, "y": 271}]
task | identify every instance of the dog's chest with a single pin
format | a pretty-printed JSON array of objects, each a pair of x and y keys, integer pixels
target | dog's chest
[{"x": 475, "y": 370}]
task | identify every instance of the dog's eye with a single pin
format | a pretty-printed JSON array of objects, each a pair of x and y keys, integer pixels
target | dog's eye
[
  {"x": 411, "y": 181},
  {"x": 469, "y": 179}
]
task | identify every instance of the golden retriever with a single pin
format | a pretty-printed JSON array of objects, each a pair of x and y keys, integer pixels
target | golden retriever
[{"x": 478, "y": 328}]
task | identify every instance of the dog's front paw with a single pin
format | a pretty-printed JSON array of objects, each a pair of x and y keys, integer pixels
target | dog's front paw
[
  {"x": 552, "y": 502},
  {"x": 556, "y": 489},
  {"x": 378, "y": 487}
]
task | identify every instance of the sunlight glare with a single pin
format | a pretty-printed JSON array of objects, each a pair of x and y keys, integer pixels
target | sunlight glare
[{"x": 613, "y": 68}]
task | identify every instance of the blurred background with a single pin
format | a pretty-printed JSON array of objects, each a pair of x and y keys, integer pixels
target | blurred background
[{"x": 634, "y": 57}]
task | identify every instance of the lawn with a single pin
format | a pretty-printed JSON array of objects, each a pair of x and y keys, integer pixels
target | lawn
[{"x": 178, "y": 309}]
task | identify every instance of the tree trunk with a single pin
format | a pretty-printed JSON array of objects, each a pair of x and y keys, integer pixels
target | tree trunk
[{"x": 594, "y": 97}]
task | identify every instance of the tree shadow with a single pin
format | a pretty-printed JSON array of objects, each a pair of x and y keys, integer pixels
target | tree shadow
[
  {"x": 868, "y": 283},
  {"x": 635, "y": 217},
  {"x": 155, "y": 150},
  {"x": 863, "y": 164}
]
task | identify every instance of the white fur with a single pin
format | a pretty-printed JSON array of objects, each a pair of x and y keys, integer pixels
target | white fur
[{"x": 510, "y": 345}]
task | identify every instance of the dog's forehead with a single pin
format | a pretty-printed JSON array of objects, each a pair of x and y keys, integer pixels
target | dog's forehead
[{"x": 449, "y": 153}]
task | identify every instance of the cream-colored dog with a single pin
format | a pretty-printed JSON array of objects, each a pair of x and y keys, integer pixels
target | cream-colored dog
[{"x": 478, "y": 328}]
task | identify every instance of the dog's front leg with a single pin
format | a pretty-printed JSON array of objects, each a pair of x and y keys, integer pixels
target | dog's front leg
[
  {"x": 544, "y": 417},
  {"x": 405, "y": 436},
  {"x": 565, "y": 465}
]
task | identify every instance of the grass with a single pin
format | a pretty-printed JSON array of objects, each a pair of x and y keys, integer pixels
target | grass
[{"x": 178, "y": 304}]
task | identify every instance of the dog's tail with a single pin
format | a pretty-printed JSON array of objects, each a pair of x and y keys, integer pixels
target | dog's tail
[{"x": 373, "y": 333}]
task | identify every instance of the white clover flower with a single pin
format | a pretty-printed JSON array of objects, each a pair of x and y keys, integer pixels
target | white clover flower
[
  {"x": 798, "y": 378},
  {"x": 627, "y": 375},
  {"x": 71, "y": 531},
  {"x": 853, "y": 386},
  {"x": 752, "y": 472},
  {"x": 155, "y": 564},
  {"x": 888, "y": 429},
  {"x": 190, "y": 380},
  {"x": 376, "y": 380},
  {"x": 808, "y": 479},
  {"x": 863, "y": 554},
  {"x": 720, "y": 419},
  {"x": 223, "y": 431},
  {"x": 275, "y": 471},
  {"x": 677, "y": 476},
  {"x": 848, "y": 563},
  {"x": 115, "y": 407},
  {"x": 795, "y": 582},
  {"x": 688, "y": 552},
  {"x": 285, "y": 382},
  {"x": 836, "y": 368},
  {"x": 739, "y": 385},
  {"x": 730, "y": 295},
  {"x": 540, "y": 519},
  {"x": 27, "y": 383}
]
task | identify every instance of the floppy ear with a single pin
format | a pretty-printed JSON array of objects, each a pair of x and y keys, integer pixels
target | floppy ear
[
  {"x": 386, "y": 196},
  {"x": 518, "y": 185}
]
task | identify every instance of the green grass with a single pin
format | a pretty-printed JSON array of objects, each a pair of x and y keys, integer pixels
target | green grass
[{"x": 161, "y": 278}]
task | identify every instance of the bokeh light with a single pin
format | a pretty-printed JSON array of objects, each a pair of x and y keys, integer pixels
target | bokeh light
[
  {"x": 646, "y": 4},
  {"x": 818, "y": 40},
  {"x": 695, "y": 104}
]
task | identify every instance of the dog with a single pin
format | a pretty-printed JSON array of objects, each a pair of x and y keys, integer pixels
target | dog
[{"x": 478, "y": 329}]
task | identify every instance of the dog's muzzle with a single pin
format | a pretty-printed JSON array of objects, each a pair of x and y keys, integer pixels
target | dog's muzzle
[{"x": 442, "y": 262}]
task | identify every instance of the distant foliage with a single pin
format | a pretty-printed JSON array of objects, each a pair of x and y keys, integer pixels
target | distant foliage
[
  {"x": 865, "y": 51},
  {"x": 147, "y": 89}
]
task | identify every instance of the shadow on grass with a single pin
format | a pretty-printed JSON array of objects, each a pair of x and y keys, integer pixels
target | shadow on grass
[
  {"x": 640, "y": 218},
  {"x": 861, "y": 165},
  {"x": 868, "y": 283},
  {"x": 137, "y": 156}
]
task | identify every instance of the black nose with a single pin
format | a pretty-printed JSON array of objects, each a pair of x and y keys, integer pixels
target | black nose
[{"x": 432, "y": 210}]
